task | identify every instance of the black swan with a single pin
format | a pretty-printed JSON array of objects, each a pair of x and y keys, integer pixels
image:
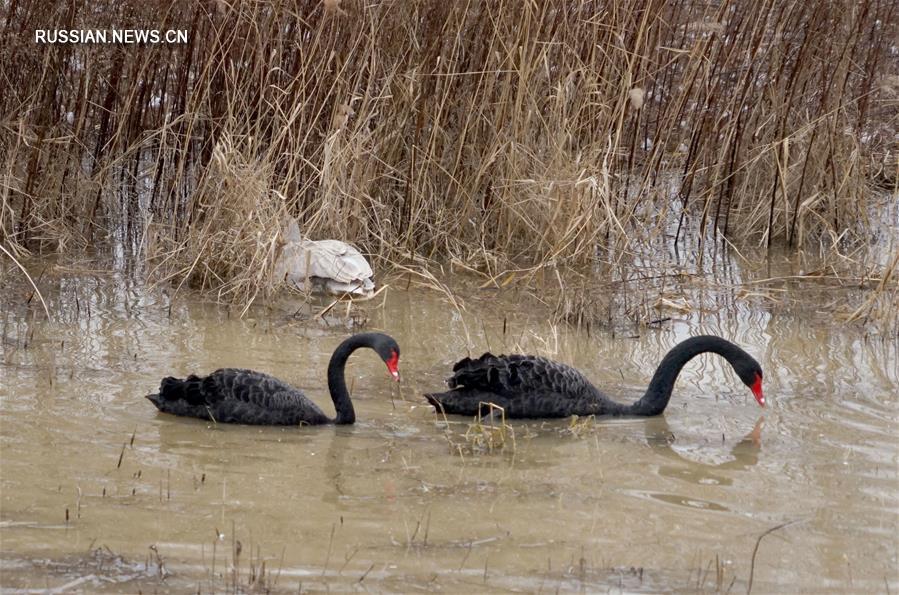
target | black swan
[
  {"x": 529, "y": 386},
  {"x": 232, "y": 395}
]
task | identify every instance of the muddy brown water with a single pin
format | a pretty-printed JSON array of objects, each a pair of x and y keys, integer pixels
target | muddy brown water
[{"x": 100, "y": 492}]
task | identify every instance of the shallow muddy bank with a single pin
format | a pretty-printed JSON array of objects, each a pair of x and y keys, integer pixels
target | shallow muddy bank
[{"x": 98, "y": 487}]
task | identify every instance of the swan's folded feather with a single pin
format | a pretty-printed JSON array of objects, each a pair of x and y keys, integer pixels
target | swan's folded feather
[
  {"x": 514, "y": 375},
  {"x": 237, "y": 395}
]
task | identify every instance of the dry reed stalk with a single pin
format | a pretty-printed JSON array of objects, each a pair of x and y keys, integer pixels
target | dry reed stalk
[{"x": 489, "y": 431}]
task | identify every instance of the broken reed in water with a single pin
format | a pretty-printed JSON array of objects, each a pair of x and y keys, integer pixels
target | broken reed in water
[{"x": 562, "y": 132}]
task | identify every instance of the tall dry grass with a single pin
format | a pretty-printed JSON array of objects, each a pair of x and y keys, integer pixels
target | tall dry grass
[{"x": 487, "y": 132}]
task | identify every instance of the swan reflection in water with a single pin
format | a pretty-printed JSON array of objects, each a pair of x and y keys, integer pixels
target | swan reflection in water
[{"x": 743, "y": 455}]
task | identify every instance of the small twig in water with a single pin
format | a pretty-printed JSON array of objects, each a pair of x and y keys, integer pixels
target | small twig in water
[
  {"x": 755, "y": 550},
  {"x": 467, "y": 553},
  {"x": 121, "y": 455},
  {"x": 365, "y": 574},
  {"x": 30, "y": 280},
  {"x": 330, "y": 543}
]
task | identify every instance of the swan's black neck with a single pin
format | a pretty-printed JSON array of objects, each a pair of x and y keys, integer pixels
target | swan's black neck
[
  {"x": 336, "y": 381},
  {"x": 658, "y": 393}
]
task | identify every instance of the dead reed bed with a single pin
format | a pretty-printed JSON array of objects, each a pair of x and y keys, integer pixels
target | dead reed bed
[{"x": 494, "y": 134}]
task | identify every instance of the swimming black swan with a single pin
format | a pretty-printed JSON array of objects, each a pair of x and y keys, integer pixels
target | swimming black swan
[
  {"x": 530, "y": 386},
  {"x": 232, "y": 395}
]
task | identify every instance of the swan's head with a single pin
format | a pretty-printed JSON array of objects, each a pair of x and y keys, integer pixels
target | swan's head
[
  {"x": 750, "y": 373},
  {"x": 389, "y": 351}
]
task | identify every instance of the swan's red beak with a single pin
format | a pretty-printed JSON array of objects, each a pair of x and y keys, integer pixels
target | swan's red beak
[
  {"x": 757, "y": 390},
  {"x": 393, "y": 365}
]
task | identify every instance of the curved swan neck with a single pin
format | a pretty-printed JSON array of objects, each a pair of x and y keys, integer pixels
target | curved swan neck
[
  {"x": 336, "y": 381},
  {"x": 658, "y": 393}
]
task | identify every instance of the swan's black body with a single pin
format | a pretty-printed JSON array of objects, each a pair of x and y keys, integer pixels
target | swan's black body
[
  {"x": 527, "y": 386},
  {"x": 233, "y": 395}
]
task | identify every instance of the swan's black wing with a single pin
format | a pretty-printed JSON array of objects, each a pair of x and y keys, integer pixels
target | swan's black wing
[
  {"x": 233, "y": 395},
  {"x": 523, "y": 385}
]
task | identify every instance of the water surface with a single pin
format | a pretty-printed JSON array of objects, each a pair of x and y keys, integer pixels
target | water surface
[{"x": 102, "y": 492}]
